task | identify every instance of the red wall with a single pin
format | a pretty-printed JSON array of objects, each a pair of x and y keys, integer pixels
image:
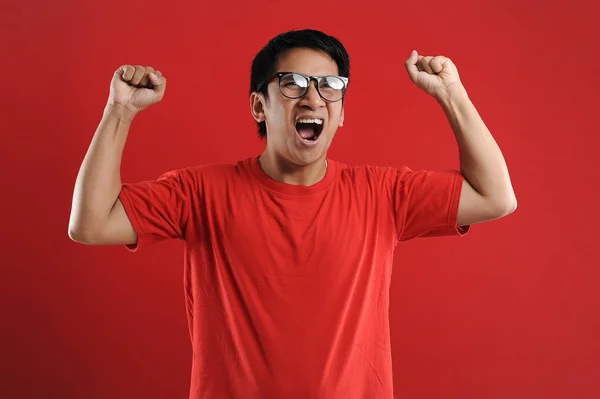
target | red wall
[{"x": 510, "y": 311}]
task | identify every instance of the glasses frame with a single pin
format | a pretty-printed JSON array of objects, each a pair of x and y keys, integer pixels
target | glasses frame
[{"x": 317, "y": 79}]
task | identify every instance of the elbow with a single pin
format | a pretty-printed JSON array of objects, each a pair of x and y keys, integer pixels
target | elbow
[
  {"x": 80, "y": 234},
  {"x": 507, "y": 206},
  {"x": 76, "y": 234},
  {"x": 75, "y": 231},
  {"x": 82, "y": 229},
  {"x": 513, "y": 205}
]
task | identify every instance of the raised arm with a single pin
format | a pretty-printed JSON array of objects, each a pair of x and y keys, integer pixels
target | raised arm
[
  {"x": 97, "y": 215},
  {"x": 487, "y": 191}
]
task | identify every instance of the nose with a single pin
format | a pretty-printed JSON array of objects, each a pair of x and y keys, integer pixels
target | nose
[{"x": 312, "y": 99}]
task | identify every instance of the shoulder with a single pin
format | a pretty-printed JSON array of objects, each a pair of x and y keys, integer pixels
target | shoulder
[
  {"x": 208, "y": 177},
  {"x": 209, "y": 171}
]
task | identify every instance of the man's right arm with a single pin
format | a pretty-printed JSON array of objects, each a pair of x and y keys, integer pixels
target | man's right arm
[{"x": 97, "y": 215}]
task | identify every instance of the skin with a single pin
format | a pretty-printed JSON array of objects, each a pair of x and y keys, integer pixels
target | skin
[
  {"x": 285, "y": 159},
  {"x": 487, "y": 192},
  {"x": 98, "y": 217}
]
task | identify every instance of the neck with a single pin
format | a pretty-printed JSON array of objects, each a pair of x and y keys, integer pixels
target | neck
[{"x": 283, "y": 171}]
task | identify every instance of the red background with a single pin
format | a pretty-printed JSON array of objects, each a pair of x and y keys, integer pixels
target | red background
[{"x": 510, "y": 311}]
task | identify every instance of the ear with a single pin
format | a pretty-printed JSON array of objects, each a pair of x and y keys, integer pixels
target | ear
[
  {"x": 257, "y": 107},
  {"x": 341, "y": 118}
]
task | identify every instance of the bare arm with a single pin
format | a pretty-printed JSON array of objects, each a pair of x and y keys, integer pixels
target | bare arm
[
  {"x": 97, "y": 214},
  {"x": 487, "y": 191}
]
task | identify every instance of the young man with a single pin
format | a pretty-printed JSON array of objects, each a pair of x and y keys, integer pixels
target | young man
[{"x": 288, "y": 254}]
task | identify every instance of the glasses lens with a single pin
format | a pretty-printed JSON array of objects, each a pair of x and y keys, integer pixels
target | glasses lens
[
  {"x": 332, "y": 88},
  {"x": 293, "y": 85}
]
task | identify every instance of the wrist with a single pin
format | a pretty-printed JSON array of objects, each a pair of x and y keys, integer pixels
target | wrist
[
  {"x": 454, "y": 95},
  {"x": 119, "y": 111}
]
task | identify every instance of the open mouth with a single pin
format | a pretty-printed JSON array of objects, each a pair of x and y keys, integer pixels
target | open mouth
[{"x": 309, "y": 129}]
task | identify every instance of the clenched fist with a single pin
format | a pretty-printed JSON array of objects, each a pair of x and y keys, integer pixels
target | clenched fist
[
  {"x": 136, "y": 87},
  {"x": 437, "y": 76}
]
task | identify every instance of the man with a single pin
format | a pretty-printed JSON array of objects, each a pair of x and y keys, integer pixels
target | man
[{"x": 288, "y": 255}]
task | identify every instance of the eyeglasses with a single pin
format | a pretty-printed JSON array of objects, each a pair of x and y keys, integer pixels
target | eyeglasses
[{"x": 295, "y": 85}]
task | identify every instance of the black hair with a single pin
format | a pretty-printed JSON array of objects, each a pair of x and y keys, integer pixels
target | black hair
[{"x": 265, "y": 62}]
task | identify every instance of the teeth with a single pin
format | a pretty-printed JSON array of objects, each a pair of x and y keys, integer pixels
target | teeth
[{"x": 317, "y": 121}]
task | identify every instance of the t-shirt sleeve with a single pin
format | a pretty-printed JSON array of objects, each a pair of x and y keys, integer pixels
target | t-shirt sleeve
[
  {"x": 157, "y": 209},
  {"x": 426, "y": 203}
]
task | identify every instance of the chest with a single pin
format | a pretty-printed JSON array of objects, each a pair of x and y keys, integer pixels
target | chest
[
  {"x": 285, "y": 254},
  {"x": 301, "y": 235}
]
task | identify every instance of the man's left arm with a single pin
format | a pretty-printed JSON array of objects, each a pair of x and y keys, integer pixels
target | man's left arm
[{"x": 487, "y": 192}]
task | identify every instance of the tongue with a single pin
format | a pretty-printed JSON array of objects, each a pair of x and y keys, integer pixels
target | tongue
[{"x": 306, "y": 132}]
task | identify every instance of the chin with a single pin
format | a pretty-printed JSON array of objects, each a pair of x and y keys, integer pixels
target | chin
[{"x": 305, "y": 157}]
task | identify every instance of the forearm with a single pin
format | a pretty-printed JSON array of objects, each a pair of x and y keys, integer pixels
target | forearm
[
  {"x": 481, "y": 160},
  {"x": 98, "y": 182}
]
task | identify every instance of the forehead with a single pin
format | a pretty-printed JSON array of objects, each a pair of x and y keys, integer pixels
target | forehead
[{"x": 307, "y": 61}]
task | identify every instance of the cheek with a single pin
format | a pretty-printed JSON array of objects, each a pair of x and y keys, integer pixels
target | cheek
[
  {"x": 335, "y": 114},
  {"x": 277, "y": 114}
]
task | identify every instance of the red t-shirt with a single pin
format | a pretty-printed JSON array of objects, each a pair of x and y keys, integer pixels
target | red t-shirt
[{"x": 287, "y": 287}]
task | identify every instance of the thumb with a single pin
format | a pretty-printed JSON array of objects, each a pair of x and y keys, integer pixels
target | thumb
[
  {"x": 159, "y": 82},
  {"x": 411, "y": 65}
]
